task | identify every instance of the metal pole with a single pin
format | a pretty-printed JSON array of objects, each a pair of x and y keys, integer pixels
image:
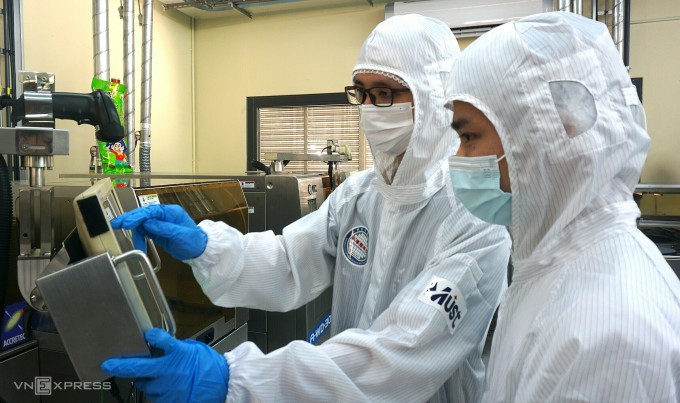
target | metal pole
[
  {"x": 626, "y": 33},
  {"x": 564, "y": 5},
  {"x": 617, "y": 25},
  {"x": 129, "y": 72},
  {"x": 147, "y": 40},
  {"x": 578, "y": 7},
  {"x": 102, "y": 57},
  {"x": 100, "y": 37}
]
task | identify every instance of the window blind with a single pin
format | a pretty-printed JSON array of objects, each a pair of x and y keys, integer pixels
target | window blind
[{"x": 306, "y": 130}]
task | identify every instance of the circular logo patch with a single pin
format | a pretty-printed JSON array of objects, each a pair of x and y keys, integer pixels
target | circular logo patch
[{"x": 355, "y": 246}]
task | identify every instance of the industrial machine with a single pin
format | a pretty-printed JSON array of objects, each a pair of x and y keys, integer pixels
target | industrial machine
[
  {"x": 660, "y": 219},
  {"x": 47, "y": 355},
  {"x": 57, "y": 270},
  {"x": 274, "y": 201},
  {"x": 64, "y": 295}
]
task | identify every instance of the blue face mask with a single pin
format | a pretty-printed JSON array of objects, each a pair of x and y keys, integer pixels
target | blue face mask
[{"x": 476, "y": 183}]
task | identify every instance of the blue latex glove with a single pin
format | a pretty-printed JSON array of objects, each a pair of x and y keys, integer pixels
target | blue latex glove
[
  {"x": 169, "y": 226},
  {"x": 189, "y": 371}
]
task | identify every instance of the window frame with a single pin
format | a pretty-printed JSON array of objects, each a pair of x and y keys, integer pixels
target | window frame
[{"x": 255, "y": 103}]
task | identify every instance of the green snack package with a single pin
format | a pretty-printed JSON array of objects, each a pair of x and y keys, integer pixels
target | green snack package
[{"x": 112, "y": 155}]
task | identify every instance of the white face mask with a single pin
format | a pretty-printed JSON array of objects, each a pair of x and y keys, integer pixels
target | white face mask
[{"x": 387, "y": 129}]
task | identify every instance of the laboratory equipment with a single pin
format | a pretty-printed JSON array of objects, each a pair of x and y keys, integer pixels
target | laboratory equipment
[
  {"x": 660, "y": 218},
  {"x": 36, "y": 141},
  {"x": 274, "y": 201},
  {"x": 103, "y": 302}
]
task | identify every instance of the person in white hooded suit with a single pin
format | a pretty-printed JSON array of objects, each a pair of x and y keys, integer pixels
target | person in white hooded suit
[
  {"x": 545, "y": 107},
  {"x": 416, "y": 278}
]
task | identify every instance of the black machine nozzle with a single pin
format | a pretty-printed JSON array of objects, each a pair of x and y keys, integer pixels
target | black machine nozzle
[{"x": 96, "y": 109}]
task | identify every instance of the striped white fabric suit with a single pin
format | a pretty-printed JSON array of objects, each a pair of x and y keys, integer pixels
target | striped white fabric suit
[
  {"x": 411, "y": 307},
  {"x": 593, "y": 311}
]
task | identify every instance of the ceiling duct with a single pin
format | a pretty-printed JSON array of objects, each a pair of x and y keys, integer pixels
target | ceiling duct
[
  {"x": 470, "y": 17},
  {"x": 217, "y": 8}
]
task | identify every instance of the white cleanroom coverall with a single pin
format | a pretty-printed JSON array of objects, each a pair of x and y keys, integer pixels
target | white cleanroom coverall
[
  {"x": 396, "y": 255},
  {"x": 593, "y": 310}
]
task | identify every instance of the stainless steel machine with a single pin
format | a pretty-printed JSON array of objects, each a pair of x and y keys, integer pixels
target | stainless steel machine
[
  {"x": 660, "y": 219},
  {"x": 45, "y": 355},
  {"x": 274, "y": 201}
]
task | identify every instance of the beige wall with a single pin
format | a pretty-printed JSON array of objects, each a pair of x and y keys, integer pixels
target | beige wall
[
  {"x": 655, "y": 56},
  {"x": 301, "y": 53},
  {"x": 58, "y": 39}
]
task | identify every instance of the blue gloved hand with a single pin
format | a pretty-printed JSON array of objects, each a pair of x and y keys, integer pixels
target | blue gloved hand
[
  {"x": 189, "y": 371},
  {"x": 169, "y": 226}
]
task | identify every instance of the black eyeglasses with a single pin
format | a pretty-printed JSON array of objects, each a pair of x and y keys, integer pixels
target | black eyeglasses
[{"x": 380, "y": 96}]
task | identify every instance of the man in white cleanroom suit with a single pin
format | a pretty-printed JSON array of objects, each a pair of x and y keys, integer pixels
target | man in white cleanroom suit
[
  {"x": 593, "y": 310},
  {"x": 416, "y": 278}
]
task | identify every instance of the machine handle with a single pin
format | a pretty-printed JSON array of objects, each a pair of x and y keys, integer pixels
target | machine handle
[
  {"x": 152, "y": 247},
  {"x": 96, "y": 109},
  {"x": 154, "y": 285}
]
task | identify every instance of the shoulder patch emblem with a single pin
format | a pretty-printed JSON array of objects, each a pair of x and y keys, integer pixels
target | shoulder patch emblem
[
  {"x": 447, "y": 299},
  {"x": 355, "y": 246}
]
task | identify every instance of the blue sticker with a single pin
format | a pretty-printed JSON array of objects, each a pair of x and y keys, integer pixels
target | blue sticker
[
  {"x": 13, "y": 331},
  {"x": 355, "y": 246},
  {"x": 315, "y": 334}
]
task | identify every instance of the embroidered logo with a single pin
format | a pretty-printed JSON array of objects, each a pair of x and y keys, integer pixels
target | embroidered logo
[
  {"x": 447, "y": 298},
  {"x": 355, "y": 246}
]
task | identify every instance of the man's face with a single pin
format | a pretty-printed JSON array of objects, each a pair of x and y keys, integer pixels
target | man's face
[
  {"x": 370, "y": 80},
  {"x": 478, "y": 137}
]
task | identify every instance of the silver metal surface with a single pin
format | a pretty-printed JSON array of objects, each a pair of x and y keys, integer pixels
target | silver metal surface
[
  {"x": 33, "y": 81},
  {"x": 233, "y": 339},
  {"x": 672, "y": 222},
  {"x": 578, "y": 7},
  {"x": 618, "y": 25},
  {"x": 129, "y": 79},
  {"x": 25, "y": 221},
  {"x": 102, "y": 59},
  {"x": 46, "y": 222},
  {"x": 29, "y": 268},
  {"x": 36, "y": 238},
  {"x": 18, "y": 17},
  {"x": 154, "y": 286},
  {"x": 94, "y": 313},
  {"x": 145, "y": 119},
  {"x": 146, "y": 175},
  {"x": 657, "y": 188},
  {"x": 33, "y": 141},
  {"x": 290, "y": 197},
  {"x": 100, "y": 22},
  {"x": 305, "y": 157},
  {"x": 38, "y": 107}
]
